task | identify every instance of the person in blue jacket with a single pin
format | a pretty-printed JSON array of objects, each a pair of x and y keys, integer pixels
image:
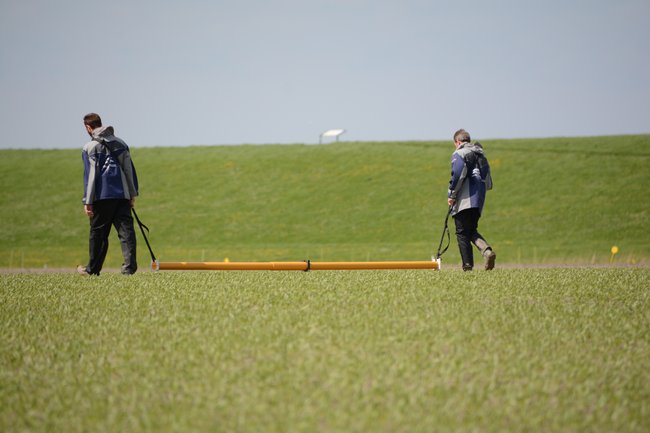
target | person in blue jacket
[
  {"x": 470, "y": 180},
  {"x": 110, "y": 189}
]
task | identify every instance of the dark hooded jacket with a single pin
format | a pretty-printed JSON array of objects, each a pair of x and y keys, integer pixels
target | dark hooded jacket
[
  {"x": 470, "y": 177},
  {"x": 109, "y": 172}
]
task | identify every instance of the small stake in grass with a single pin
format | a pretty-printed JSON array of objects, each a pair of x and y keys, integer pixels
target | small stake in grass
[{"x": 614, "y": 251}]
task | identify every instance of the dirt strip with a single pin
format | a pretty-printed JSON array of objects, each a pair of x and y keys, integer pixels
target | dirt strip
[{"x": 48, "y": 270}]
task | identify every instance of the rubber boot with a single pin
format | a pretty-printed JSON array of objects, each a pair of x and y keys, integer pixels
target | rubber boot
[{"x": 488, "y": 254}]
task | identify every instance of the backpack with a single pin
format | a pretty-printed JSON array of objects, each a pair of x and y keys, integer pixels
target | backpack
[{"x": 477, "y": 164}]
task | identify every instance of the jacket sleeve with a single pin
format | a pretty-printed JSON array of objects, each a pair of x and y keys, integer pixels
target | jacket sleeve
[
  {"x": 129, "y": 173},
  {"x": 458, "y": 174},
  {"x": 135, "y": 180},
  {"x": 89, "y": 177}
]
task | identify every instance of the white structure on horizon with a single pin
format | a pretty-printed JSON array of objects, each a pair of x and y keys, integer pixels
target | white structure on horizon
[{"x": 330, "y": 133}]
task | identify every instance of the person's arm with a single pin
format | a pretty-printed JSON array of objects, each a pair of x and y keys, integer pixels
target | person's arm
[
  {"x": 458, "y": 174},
  {"x": 89, "y": 182},
  {"x": 126, "y": 164}
]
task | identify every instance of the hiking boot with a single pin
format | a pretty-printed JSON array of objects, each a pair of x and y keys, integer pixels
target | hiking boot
[
  {"x": 490, "y": 258},
  {"x": 81, "y": 270}
]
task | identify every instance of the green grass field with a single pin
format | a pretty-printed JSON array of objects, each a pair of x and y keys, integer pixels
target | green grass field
[
  {"x": 515, "y": 349},
  {"x": 556, "y": 201},
  {"x": 387, "y": 351}
]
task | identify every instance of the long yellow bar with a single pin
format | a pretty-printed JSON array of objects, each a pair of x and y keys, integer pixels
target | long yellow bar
[{"x": 290, "y": 266}]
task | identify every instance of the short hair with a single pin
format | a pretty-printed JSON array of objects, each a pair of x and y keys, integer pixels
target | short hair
[
  {"x": 462, "y": 136},
  {"x": 93, "y": 120}
]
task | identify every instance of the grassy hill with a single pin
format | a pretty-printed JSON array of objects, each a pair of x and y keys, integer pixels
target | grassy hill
[{"x": 561, "y": 200}]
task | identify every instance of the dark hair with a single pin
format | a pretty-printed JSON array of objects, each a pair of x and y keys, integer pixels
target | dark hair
[
  {"x": 93, "y": 120},
  {"x": 462, "y": 136}
]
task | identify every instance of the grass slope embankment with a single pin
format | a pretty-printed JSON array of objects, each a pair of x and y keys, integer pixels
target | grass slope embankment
[{"x": 562, "y": 200}]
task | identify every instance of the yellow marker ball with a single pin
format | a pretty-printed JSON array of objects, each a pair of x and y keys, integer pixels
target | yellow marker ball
[
  {"x": 226, "y": 260},
  {"x": 614, "y": 249}
]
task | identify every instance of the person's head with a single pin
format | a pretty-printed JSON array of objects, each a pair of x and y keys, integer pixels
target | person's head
[
  {"x": 461, "y": 136},
  {"x": 92, "y": 121}
]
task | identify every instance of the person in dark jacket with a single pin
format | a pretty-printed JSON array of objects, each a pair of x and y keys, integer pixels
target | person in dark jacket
[
  {"x": 470, "y": 180},
  {"x": 110, "y": 189}
]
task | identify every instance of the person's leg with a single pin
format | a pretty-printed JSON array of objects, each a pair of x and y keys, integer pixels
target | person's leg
[
  {"x": 123, "y": 222},
  {"x": 466, "y": 222},
  {"x": 486, "y": 251},
  {"x": 482, "y": 245},
  {"x": 100, "y": 228}
]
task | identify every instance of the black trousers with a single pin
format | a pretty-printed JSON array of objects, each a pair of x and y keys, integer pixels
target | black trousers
[
  {"x": 466, "y": 234},
  {"x": 109, "y": 213}
]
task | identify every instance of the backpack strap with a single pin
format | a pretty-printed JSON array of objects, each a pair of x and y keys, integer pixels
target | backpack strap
[{"x": 104, "y": 142}]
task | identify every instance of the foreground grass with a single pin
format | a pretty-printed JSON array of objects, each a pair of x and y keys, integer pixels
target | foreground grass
[{"x": 393, "y": 351}]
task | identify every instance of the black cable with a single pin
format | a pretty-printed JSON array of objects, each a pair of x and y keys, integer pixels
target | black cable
[
  {"x": 142, "y": 228},
  {"x": 445, "y": 230}
]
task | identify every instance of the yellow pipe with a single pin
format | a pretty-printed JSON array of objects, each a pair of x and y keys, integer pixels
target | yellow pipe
[
  {"x": 329, "y": 266},
  {"x": 289, "y": 266}
]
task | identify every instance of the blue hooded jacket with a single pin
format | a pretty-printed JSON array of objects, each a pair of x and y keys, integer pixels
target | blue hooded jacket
[
  {"x": 470, "y": 177},
  {"x": 108, "y": 175}
]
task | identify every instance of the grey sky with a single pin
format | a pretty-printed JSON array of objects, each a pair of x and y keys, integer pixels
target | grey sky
[{"x": 283, "y": 71}]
